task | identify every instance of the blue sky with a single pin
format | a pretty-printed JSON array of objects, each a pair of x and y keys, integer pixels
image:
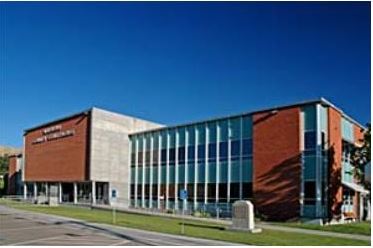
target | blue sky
[{"x": 179, "y": 62}]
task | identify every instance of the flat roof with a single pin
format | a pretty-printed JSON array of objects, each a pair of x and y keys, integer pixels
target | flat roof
[{"x": 321, "y": 100}]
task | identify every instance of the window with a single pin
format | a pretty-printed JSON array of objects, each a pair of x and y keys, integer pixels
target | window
[
  {"x": 223, "y": 151},
  {"x": 235, "y": 191},
  {"x": 171, "y": 191},
  {"x": 181, "y": 173},
  {"x": 211, "y": 132},
  {"x": 171, "y": 174},
  {"x": 200, "y": 191},
  {"x": 235, "y": 148},
  {"x": 223, "y": 172},
  {"x": 181, "y": 154},
  {"x": 139, "y": 158},
  {"x": 246, "y": 127},
  {"x": 201, "y": 130},
  {"x": 223, "y": 192},
  {"x": 211, "y": 191},
  {"x": 132, "y": 191},
  {"x": 212, "y": 152},
  {"x": 133, "y": 159},
  {"x": 139, "y": 190},
  {"x": 163, "y": 190},
  {"x": 323, "y": 141},
  {"x": 310, "y": 193},
  {"x": 191, "y": 173},
  {"x": 163, "y": 156},
  {"x": 247, "y": 190},
  {"x": 191, "y": 153},
  {"x": 247, "y": 148},
  {"x": 201, "y": 172},
  {"x": 309, "y": 140},
  {"x": 201, "y": 152},
  {"x": 171, "y": 154},
  {"x": 235, "y": 128},
  {"x": 223, "y": 130},
  {"x": 190, "y": 191},
  {"x": 155, "y": 157},
  {"x": 212, "y": 172},
  {"x": 147, "y": 158},
  {"x": 154, "y": 190},
  {"x": 147, "y": 191}
]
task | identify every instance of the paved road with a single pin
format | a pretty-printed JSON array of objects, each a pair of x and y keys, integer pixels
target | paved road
[{"x": 19, "y": 227}]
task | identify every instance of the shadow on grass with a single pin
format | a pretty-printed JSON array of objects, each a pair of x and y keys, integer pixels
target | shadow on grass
[{"x": 203, "y": 226}]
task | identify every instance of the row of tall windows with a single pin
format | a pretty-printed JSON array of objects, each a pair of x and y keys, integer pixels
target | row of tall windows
[{"x": 183, "y": 155}]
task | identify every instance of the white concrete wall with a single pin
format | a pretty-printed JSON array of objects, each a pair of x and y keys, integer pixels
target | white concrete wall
[{"x": 109, "y": 156}]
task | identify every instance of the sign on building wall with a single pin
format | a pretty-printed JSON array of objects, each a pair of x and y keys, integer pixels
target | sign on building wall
[{"x": 53, "y": 133}]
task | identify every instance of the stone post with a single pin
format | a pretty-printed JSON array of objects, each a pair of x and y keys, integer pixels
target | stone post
[
  {"x": 75, "y": 193},
  {"x": 93, "y": 192}
]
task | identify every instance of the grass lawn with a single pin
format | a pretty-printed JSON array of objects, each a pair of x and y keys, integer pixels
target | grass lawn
[
  {"x": 198, "y": 229},
  {"x": 362, "y": 228}
]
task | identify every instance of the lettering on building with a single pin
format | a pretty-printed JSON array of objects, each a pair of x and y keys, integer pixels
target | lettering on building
[{"x": 53, "y": 133}]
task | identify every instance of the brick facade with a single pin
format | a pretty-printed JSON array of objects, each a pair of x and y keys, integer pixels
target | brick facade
[
  {"x": 62, "y": 159},
  {"x": 12, "y": 174},
  {"x": 335, "y": 164},
  {"x": 277, "y": 163}
]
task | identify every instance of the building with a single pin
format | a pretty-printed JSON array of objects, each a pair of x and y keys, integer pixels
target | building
[
  {"x": 84, "y": 156},
  {"x": 15, "y": 185},
  {"x": 291, "y": 161}
]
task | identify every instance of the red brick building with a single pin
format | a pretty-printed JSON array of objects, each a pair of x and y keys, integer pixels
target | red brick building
[{"x": 291, "y": 161}]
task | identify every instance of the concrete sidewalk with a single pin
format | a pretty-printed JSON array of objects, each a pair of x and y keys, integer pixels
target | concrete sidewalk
[
  {"x": 263, "y": 225},
  {"x": 315, "y": 232}
]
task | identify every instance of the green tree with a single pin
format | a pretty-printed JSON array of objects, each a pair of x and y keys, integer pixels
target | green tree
[
  {"x": 360, "y": 157},
  {"x": 4, "y": 163}
]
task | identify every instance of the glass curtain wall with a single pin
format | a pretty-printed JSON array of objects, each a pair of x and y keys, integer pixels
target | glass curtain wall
[{"x": 211, "y": 160}]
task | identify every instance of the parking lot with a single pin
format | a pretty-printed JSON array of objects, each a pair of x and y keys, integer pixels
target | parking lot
[
  {"x": 19, "y": 227},
  {"x": 29, "y": 229}
]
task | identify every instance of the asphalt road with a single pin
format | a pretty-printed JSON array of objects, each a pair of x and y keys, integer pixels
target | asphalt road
[{"x": 19, "y": 227}]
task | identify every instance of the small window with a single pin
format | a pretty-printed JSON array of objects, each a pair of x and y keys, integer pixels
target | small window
[
  {"x": 201, "y": 152},
  {"x": 212, "y": 151},
  {"x": 181, "y": 154},
  {"x": 163, "y": 156},
  {"x": 211, "y": 191},
  {"x": 247, "y": 190},
  {"x": 171, "y": 154},
  {"x": 191, "y": 153},
  {"x": 247, "y": 147},
  {"x": 310, "y": 192},
  {"x": 235, "y": 191},
  {"x": 235, "y": 148},
  {"x": 310, "y": 140},
  {"x": 223, "y": 149},
  {"x": 223, "y": 192},
  {"x": 200, "y": 191}
]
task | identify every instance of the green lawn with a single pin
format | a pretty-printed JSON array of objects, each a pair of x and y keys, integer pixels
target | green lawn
[
  {"x": 192, "y": 228},
  {"x": 362, "y": 228}
]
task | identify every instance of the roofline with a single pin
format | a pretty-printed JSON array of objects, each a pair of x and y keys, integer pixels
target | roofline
[
  {"x": 299, "y": 104},
  {"x": 342, "y": 113},
  {"x": 18, "y": 155},
  {"x": 86, "y": 112}
]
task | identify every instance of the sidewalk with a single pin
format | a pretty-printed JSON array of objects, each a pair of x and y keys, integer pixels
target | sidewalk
[
  {"x": 263, "y": 225},
  {"x": 316, "y": 232}
]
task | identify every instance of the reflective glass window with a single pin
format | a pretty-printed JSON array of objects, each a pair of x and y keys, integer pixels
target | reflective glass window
[
  {"x": 235, "y": 128},
  {"x": 310, "y": 140}
]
